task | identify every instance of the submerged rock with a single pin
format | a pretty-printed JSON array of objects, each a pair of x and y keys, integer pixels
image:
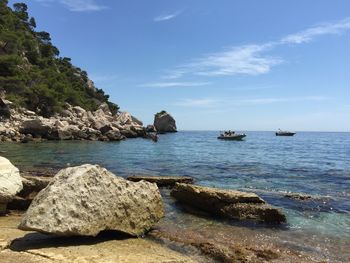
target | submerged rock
[
  {"x": 305, "y": 197},
  {"x": 228, "y": 203},
  {"x": 10, "y": 183},
  {"x": 162, "y": 180},
  {"x": 164, "y": 122},
  {"x": 88, "y": 199}
]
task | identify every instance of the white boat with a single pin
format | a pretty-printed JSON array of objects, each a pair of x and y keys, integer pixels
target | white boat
[{"x": 231, "y": 136}]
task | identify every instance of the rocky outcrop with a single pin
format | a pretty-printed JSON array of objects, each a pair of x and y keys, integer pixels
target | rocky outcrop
[
  {"x": 74, "y": 123},
  {"x": 162, "y": 180},
  {"x": 228, "y": 203},
  {"x": 164, "y": 122},
  {"x": 88, "y": 199},
  {"x": 10, "y": 183}
]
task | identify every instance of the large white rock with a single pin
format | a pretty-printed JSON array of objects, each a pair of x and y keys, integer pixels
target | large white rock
[
  {"x": 88, "y": 199},
  {"x": 10, "y": 181}
]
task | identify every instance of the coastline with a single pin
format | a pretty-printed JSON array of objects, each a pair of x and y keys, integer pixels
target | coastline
[
  {"x": 176, "y": 238},
  {"x": 181, "y": 230}
]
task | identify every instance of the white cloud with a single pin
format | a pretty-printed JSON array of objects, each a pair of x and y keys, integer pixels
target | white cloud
[
  {"x": 206, "y": 102},
  {"x": 240, "y": 102},
  {"x": 323, "y": 29},
  {"x": 166, "y": 16},
  {"x": 252, "y": 59},
  {"x": 174, "y": 84},
  {"x": 248, "y": 59},
  {"x": 271, "y": 100},
  {"x": 78, "y": 5}
]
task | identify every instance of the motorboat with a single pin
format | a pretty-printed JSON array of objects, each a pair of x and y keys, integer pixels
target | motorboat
[
  {"x": 231, "y": 136},
  {"x": 284, "y": 133}
]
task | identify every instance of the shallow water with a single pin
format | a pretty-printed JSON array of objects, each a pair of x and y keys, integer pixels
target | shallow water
[{"x": 310, "y": 162}]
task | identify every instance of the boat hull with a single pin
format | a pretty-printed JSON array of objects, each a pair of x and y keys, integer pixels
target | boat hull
[
  {"x": 232, "y": 138},
  {"x": 285, "y": 133}
]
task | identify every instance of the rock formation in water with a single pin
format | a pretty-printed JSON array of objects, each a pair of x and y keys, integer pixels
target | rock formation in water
[
  {"x": 10, "y": 183},
  {"x": 88, "y": 199},
  {"x": 228, "y": 203},
  {"x": 164, "y": 122},
  {"x": 162, "y": 180}
]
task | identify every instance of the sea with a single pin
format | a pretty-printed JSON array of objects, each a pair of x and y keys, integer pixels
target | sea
[{"x": 312, "y": 163}]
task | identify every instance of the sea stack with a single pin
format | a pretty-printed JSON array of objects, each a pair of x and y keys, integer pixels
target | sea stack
[{"x": 164, "y": 122}]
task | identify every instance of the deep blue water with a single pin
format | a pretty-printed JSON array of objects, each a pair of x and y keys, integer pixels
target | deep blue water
[{"x": 316, "y": 163}]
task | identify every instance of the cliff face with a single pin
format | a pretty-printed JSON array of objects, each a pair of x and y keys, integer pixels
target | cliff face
[{"x": 33, "y": 75}]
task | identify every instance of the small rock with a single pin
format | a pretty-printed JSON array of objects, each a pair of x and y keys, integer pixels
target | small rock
[
  {"x": 228, "y": 203},
  {"x": 162, "y": 180}
]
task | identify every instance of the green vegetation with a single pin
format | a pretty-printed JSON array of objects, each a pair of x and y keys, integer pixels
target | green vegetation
[{"x": 31, "y": 72}]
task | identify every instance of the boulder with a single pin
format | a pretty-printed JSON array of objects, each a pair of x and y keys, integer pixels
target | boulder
[
  {"x": 129, "y": 133},
  {"x": 164, "y": 122},
  {"x": 124, "y": 118},
  {"x": 10, "y": 183},
  {"x": 104, "y": 106},
  {"x": 228, "y": 203},
  {"x": 79, "y": 111},
  {"x": 36, "y": 127},
  {"x": 151, "y": 128},
  {"x": 162, "y": 180},
  {"x": 33, "y": 185},
  {"x": 4, "y": 109},
  {"x": 88, "y": 199},
  {"x": 114, "y": 135}
]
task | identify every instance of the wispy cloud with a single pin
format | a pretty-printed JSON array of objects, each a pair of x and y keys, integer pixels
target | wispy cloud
[
  {"x": 239, "y": 102},
  {"x": 77, "y": 5},
  {"x": 166, "y": 17},
  {"x": 252, "y": 59},
  {"x": 205, "y": 102},
  {"x": 174, "y": 84},
  {"x": 309, "y": 34},
  {"x": 261, "y": 101}
]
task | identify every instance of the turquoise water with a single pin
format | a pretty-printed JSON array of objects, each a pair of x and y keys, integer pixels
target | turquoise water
[{"x": 310, "y": 162}]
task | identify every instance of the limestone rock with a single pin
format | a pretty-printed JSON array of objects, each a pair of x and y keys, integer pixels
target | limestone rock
[
  {"x": 162, "y": 180},
  {"x": 228, "y": 203},
  {"x": 10, "y": 182},
  {"x": 164, "y": 122},
  {"x": 124, "y": 118},
  {"x": 88, "y": 199},
  {"x": 151, "y": 128},
  {"x": 36, "y": 127}
]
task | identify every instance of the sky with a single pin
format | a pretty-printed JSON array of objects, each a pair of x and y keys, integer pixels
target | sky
[{"x": 214, "y": 65}]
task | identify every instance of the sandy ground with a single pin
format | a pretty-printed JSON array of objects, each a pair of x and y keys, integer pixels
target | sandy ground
[{"x": 27, "y": 247}]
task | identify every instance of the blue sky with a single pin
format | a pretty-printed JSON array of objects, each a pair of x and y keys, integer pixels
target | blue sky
[{"x": 241, "y": 65}]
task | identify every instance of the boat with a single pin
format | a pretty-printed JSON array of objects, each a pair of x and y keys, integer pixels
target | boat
[
  {"x": 284, "y": 133},
  {"x": 231, "y": 136}
]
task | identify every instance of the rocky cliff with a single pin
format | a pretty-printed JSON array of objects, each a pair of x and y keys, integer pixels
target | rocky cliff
[{"x": 164, "y": 122}]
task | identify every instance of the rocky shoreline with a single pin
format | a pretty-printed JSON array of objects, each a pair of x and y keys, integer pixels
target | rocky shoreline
[
  {"x": 68, "y": 204},
  {"x": 74, "y": 123}
]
